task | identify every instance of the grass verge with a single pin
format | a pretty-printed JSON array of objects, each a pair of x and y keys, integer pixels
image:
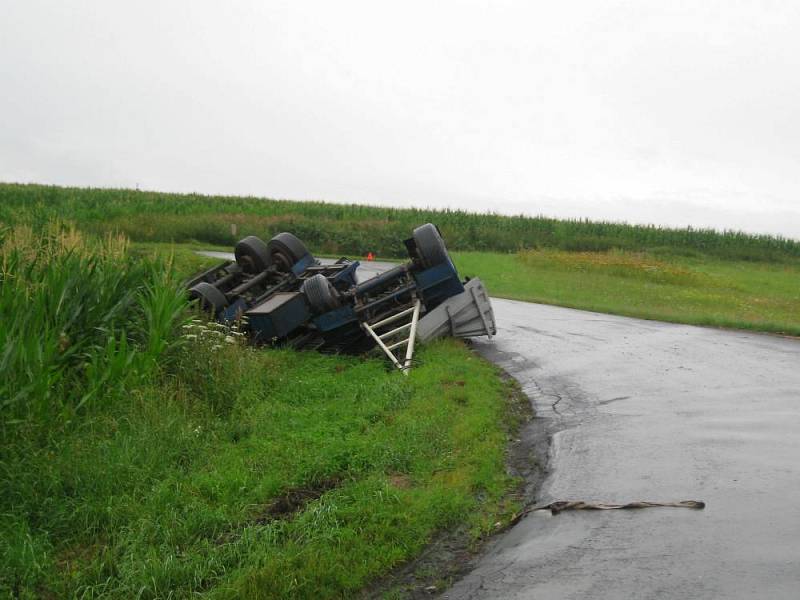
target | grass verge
[
  {"x": 146, "y": 455},
  {"x": 651, "y": 285}
]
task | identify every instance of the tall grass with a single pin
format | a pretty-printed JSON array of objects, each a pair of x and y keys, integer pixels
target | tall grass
[
  {"x": 82, "y": 325},
  {"x": 355, "y": 229},
  {"x": 78, "y": 319}
]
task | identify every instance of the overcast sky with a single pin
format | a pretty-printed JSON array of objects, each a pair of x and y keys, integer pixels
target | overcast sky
[{"x": 671, "y": 112}]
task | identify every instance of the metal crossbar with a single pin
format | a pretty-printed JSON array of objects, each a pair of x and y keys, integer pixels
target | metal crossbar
[
  {"x": 397, "y": 330},
  {"x": 392, "y": 318},
  {"x": 407, "y": 342}
]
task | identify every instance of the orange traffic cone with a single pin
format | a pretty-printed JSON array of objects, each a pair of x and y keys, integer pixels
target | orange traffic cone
[{"x": 370, "y": 256}]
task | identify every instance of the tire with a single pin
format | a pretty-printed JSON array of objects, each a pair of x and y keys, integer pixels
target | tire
[
  {"x": 286, "y": 250},
  {"x": 211, "y": 299},
  {"x": 430, "y": 246},
  {"x": 252, "y": 255},
  {"x": 320, "y": 294}
]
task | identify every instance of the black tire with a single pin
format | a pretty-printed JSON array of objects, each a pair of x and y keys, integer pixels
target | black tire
[
  {"x": 320, "y": 294},
  {"x": 286, "y": 250},
  {"x": 252, "y": 254},
  {"x": 430, "y": 246},
  {"x": 211, "y": 299}
]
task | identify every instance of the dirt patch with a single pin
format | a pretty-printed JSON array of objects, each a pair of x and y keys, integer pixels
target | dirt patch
[
  {"x": 294, "y": 500},
  {"x": 453, "y": 554},
  {"x": 400, "y": 481},
  {"x": 72, "y": 557},
  {"x": 283, "y": 507},
  {"x": 457, "y": 383}
]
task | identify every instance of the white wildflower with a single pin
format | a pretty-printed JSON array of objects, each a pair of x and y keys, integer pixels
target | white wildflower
[{"x": 229, "y": 340}]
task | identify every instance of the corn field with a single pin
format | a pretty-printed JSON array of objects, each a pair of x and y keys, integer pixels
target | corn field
[
  {"x": 355, "y": 229},
  {"x": 81, "y": 321}
]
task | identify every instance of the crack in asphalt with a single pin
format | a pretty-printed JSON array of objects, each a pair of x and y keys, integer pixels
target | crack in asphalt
[{"x": 554, "y": 404}]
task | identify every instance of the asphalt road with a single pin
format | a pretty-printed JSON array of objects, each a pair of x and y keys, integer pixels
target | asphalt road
[{"x": 641, "y": 410}]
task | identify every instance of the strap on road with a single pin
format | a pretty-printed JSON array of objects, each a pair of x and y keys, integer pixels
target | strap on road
[{"x": 563, "y": 505}]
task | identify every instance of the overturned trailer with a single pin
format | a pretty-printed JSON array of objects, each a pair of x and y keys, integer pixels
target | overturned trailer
[{"x": 289, "y": 297}]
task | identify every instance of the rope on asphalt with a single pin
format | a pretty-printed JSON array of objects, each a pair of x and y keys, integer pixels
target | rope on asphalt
[{"x": 562, "y": 505}]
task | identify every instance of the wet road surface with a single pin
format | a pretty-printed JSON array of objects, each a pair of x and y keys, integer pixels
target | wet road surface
[{"x": 641, "y": 410}]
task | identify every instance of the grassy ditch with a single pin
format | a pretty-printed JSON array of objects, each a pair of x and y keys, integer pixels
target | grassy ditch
[
  {"x": 657, "y": 285},
  {"x": 145, "y": 453}
]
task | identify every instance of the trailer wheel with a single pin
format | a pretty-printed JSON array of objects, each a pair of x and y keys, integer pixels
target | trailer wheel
[
  {"x": 211, "y": 299},
  {"x": 430, "y": 245},
  {"x": 286, "y": 250},
  {"x": 252, "y": 254},
  {"x": 320, "y": 294}
]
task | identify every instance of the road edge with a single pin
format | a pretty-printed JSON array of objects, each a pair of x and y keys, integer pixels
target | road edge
[{"x": 452, "y": 554}]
